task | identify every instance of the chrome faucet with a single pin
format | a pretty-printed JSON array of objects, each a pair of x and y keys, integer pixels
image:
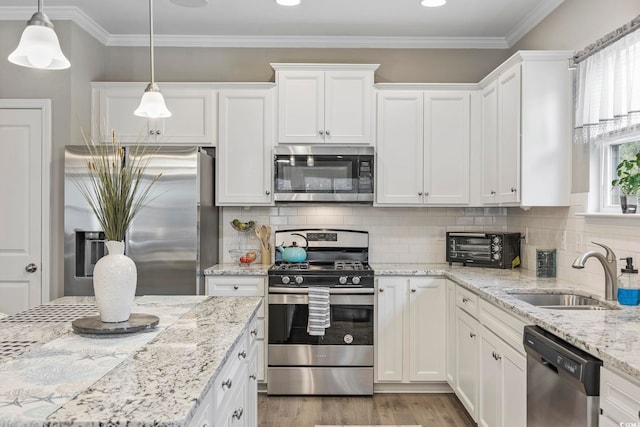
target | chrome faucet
[{"x": 610, "y": 266}]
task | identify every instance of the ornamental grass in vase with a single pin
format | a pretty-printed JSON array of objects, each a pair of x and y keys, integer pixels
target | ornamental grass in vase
[
  {"x": 628, "y": 179},
  {"x": 116, "y": 189}
]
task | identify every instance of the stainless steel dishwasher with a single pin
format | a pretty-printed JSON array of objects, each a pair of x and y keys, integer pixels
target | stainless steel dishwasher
[{"x": 563, "y": 382}]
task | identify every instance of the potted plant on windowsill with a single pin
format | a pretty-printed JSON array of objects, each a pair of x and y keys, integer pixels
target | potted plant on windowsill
[
  {"x": 116, "y": 189},
  {"x": 628, "y": 173}
]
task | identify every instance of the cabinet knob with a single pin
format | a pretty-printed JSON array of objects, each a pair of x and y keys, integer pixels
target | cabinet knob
[
  {"x": 413, "y": 290},
  {"x": 493, "y": 192},
  {"x": 267, "y": 192},
  {"x": 237, "y": 414},
  {"x": 380, "y": 290},
  {"x": 321, "y": 132},
  {"x": 31, "y": 268},
  {"x": 426, "y": 194},
  {"x": 242, "y": 355},
  {"x": 498, "y": 357},
  {"x": 254, "y": 332},
  {"x": 419, "y": 194},
  {"x": 514, "y": 189},
  {"x": 235, "y": 287},
  {"x": 472, "y": 335},
  {"x": 253, "y": 376},
  {"x": 465, "y": 300},
  {"x": 328, "y": 133},
  {"x": 228, "y": 383},
  {"x": 157, "y": 132}
]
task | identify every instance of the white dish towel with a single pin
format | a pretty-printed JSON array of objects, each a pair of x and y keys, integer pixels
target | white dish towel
[{"x": 319, "y": 311}]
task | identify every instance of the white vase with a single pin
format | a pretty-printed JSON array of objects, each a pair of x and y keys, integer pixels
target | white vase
[{"x": 114, "y": 284}]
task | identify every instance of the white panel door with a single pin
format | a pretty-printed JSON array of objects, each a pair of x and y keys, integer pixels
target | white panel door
[
  {"x": 392, "y": 296},
  {"x": 509, "y": 121},
  {"x": 427, "y": 317},
  {"x": 451, "y": 374},
  {"x": 301, "y": 107},
  {"x": 400, "y": 147},
  {"x": 21, "y": 138},
  {"x": 489, "y": 156},
  {"x": 467, "y": 361},
  {"x": 348, "y": 107},
  {"x": 513, "y": 400},
  {"x": 244, "y": 149},
  {"x": 192, "y": 118},
  {"x": 116, "y": 107},
  {"x": 446, "y": 147},
  {"x": 490, "y": 382}
]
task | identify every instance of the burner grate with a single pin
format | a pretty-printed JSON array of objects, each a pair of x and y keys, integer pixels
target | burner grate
[
  {"x": 14, "y": 348},
  {"x": 294, "y": 266},
  {"x": 52, "y": 313},
  {"x": 348, "y": 265}
]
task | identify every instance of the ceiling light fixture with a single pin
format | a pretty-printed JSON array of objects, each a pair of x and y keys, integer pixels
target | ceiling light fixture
[
  {"x": 152, "y": 103},
  {"x": 39, "y": 46},
  {"x": 288, "y": 2},
  {"x": 433, "y": 3}
]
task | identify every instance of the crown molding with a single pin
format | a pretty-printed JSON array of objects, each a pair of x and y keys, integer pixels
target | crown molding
[
  {"x": 75, "y": 14},
  {"x": 529, "y": 22}
]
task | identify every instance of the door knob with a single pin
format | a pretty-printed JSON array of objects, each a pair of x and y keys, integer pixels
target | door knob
[{"x": 31, "y": 268}]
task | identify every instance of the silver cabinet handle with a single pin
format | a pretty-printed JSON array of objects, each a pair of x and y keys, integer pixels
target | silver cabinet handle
[
  {"x": 465, "y": 300},
  {"x": 237, "y": 414},
  {"x": 472, "y": 335},
  {"x": 253, "y": 376},
  {"x": 254, "y": 332},
  {"x": 380, "y": 290},
  {"x": 328, "y": 133},
  {"x": 152, "y": 132},
  {"x": 157, "y": 132},
  {"x": 498, "y": 357},
  {"x": 426, "y": 194},
  {"x": 228, "y": 383},
  {"x": 493, "y": 192},
  {"x": 31, "y": 268},
  {"x": 242, "y": 355},
  {"x": 413, "y": 290},
  {"x": 514, "y": 189},
  {"x": 236, "y": 287},
  {"x": 419, "y": 194},
  {"x": 321, "y": 132},
  {"x": 267, "y": 192}
]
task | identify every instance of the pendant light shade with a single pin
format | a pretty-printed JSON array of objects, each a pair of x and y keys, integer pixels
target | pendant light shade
[
  {"x": 39, "y": 46},
  {"x": 152, "y": 103}
]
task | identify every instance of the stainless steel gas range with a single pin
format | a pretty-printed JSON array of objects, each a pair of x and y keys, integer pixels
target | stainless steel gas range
[{"x": 340, "y": 362}]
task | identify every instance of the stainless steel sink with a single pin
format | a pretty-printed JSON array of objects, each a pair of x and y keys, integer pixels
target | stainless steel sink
[{"x": 564, "y": 301}]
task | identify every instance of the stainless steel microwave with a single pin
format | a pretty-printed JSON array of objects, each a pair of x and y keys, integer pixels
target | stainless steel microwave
[
  {"x": 497, "y": 250},
  {"x": 323, "y": 174}
]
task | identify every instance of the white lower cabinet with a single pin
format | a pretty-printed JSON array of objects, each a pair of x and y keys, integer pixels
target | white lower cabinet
[
  {"x": 450, "y": 365},
  {"x": 410, "y": 345},
  {"x": 503, "y": 383},
  {"x": 619, "y": 399},
  {"x": 467, "y": 346},
  {"x": 245, "y": 286}
]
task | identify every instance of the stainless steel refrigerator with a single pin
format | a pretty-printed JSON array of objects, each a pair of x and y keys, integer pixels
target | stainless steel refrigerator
[{"x": 172, "y": 239}]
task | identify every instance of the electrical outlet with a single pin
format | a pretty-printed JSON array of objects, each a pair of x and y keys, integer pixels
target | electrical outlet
[
  {"x": 563, "y": 242},
  {"x": 526, "y": 235}
]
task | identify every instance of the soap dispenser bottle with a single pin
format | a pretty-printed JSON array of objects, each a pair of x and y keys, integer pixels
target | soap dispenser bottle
[{"x": 628, "y": 286}]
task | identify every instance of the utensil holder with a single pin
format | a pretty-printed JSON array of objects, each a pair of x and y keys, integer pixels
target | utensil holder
[{"x": 265, "y": 256}]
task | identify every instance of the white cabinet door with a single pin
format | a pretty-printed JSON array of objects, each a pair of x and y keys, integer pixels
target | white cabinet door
[
  {"x": 348, "y": 107},
  {"x": 192, "y": 118},
  {"x": 392, "y": 297},
  {"x": 446, "y": 147},
  {"x": 467, "y": 361},
  {"x": 301, "y": 107},
  {"x": 243, "y": 158},
  {"x": 513, "y": 400},
  {"x": 490, "y": 382},
  {"x": 619, "y": 397},
  {"x": 400, "y": 145},
  {"x": 489, "y": 156},
  {"x": 427, "y": 316},
  {"x": 451, "y": 374},
  {"x": 509, "y": 121}
]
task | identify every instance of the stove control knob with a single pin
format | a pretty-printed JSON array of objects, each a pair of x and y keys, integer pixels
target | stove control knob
[
  {"x": 299, "y": 279},
  {"x": 355, "y": 280},
  {"x": 342, "y": 280},
  {"x": 285, "y": 280}
]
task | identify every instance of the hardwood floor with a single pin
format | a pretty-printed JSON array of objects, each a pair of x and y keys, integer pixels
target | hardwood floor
[{"x": 428, "y": 410}]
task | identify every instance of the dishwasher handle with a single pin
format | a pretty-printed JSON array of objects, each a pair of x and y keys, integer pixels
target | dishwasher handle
[{"x": 564, "y": 359}]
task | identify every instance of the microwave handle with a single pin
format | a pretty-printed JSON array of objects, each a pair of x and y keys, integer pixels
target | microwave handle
[{"x": 468, "y": 234}]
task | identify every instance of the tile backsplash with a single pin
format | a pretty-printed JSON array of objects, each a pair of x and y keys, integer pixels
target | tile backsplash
[
  {"x": 418, "y": 234},
  {"x": 395, "y": 234}
]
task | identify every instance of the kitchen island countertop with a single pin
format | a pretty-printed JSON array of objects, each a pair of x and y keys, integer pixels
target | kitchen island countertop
[{"x": 157, "y": 377}]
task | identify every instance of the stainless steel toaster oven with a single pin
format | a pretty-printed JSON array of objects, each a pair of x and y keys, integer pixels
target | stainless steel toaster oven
[{"x": 496, "y": 250}]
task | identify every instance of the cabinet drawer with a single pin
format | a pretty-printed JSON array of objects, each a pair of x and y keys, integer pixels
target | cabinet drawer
[
  {"x": 619, "y": 397},
  {"x": 503, "y": 324},
  {"x": 235, "y": 286},
  {"x": 467, "y": 300},
  {"x": 232, "y": 375}
]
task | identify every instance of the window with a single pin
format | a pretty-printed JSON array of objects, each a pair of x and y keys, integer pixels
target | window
[{"x": 613, "y": 152}]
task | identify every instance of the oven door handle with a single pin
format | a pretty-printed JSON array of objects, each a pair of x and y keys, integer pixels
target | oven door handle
[{"x": 332, "y": 291}]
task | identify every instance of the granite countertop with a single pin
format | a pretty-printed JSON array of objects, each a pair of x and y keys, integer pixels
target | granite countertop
[
  {"x": 237, "y": 270},
  {"x": 156, "y": 377},
  {"x": 611, "y": 335}
]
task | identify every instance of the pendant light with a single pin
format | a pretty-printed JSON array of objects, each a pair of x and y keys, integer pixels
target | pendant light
[
  {"x": 39, "y": 46},
  {"x": 152, "y": 103}
]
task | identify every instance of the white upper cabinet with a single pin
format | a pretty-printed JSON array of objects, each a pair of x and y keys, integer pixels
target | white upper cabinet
[
  {"x": 192, "y": 121},
  {"x": 423, "y": 146},
  {"x": 325, "y": 103},
  {"x": 526, "y": 131},
  {"x": 243, "y": 157}
]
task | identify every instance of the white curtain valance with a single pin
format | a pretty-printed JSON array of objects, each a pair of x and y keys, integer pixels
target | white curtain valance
[{"x": 608, "y": 92}]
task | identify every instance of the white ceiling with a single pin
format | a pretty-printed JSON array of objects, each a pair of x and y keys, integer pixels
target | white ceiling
[{"x": 314, "y": 23}]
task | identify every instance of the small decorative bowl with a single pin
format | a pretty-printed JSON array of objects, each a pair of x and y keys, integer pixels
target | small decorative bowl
[
  {"x": 243, "y": 226},
  {"x": 244, "y": 256}
]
